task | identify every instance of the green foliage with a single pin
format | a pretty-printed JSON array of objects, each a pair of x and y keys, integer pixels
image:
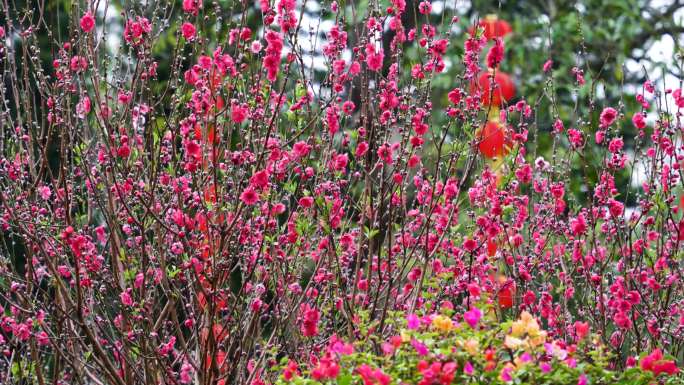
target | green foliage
[{"x": 444, "y": 351}]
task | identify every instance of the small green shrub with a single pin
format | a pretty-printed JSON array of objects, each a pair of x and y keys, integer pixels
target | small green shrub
[{"x": 440, "y": 349}]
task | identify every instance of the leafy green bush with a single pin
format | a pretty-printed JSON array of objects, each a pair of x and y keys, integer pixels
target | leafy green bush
[{"x": 474, "y": 348}]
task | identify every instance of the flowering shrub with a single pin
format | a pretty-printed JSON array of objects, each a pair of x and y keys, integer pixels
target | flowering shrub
[
  {"x": 190, "y": 193},
  {"x": 437, "y": 349}
]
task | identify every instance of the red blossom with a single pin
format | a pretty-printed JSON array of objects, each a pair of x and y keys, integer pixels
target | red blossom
[
  {"x": 188, "y": 30},
  {"x": 655, "y": 363},
  {"x": 87, "y": 22}
]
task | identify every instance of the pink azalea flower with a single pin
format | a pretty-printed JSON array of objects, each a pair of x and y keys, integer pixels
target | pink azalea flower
[
  {"x": 472, "y": 317},
  {"x": 413, "y": 322}
]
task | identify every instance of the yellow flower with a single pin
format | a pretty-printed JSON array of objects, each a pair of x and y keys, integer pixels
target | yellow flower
[
  {"x": 538, "y": 339},
  {"x": 442, "y": 323},
  {"x": 526, "y": 324},
  {"x": 405, "y": 336},
  {"x": 532, "y": 328},
  {"x": 526, "y": 317},
  {"x": 526, "y": 327},
  {"x": 513, "y": 342},
  {"x": 518, "y": 328},
  {"x": 472, "y": 346}
]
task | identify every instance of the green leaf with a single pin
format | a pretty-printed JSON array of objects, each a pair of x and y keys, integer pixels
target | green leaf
[{"x": 344, "y": 380}]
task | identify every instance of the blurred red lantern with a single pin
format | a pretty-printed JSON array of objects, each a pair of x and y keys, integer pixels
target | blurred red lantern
[
  {"x": 491, "y": 248},
  {"x": 506, "y": 297},
  {"x": 504, "y": 89},
  {"x": 493, "y": 27},
  {"x": 503, "y": 289},
  {"x": 506, "y": 292},
  {"x": 493, "y": 139}
]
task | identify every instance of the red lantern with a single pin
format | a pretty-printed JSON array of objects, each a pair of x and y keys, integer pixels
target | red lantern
[
  {"x": 506, "y": 292},
  {"x": 506, "y": 297},
  {"x": 504, "y": 89},
  {"x": 491, "y": 248},
  {"x": 493, "y": 140},
  {"x": 493, "y": 27},
  {"x": 503, "y": 290}
]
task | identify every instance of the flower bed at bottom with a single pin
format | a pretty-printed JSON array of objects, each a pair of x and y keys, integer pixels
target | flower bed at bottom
[{"x": 473, "y": 348}]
